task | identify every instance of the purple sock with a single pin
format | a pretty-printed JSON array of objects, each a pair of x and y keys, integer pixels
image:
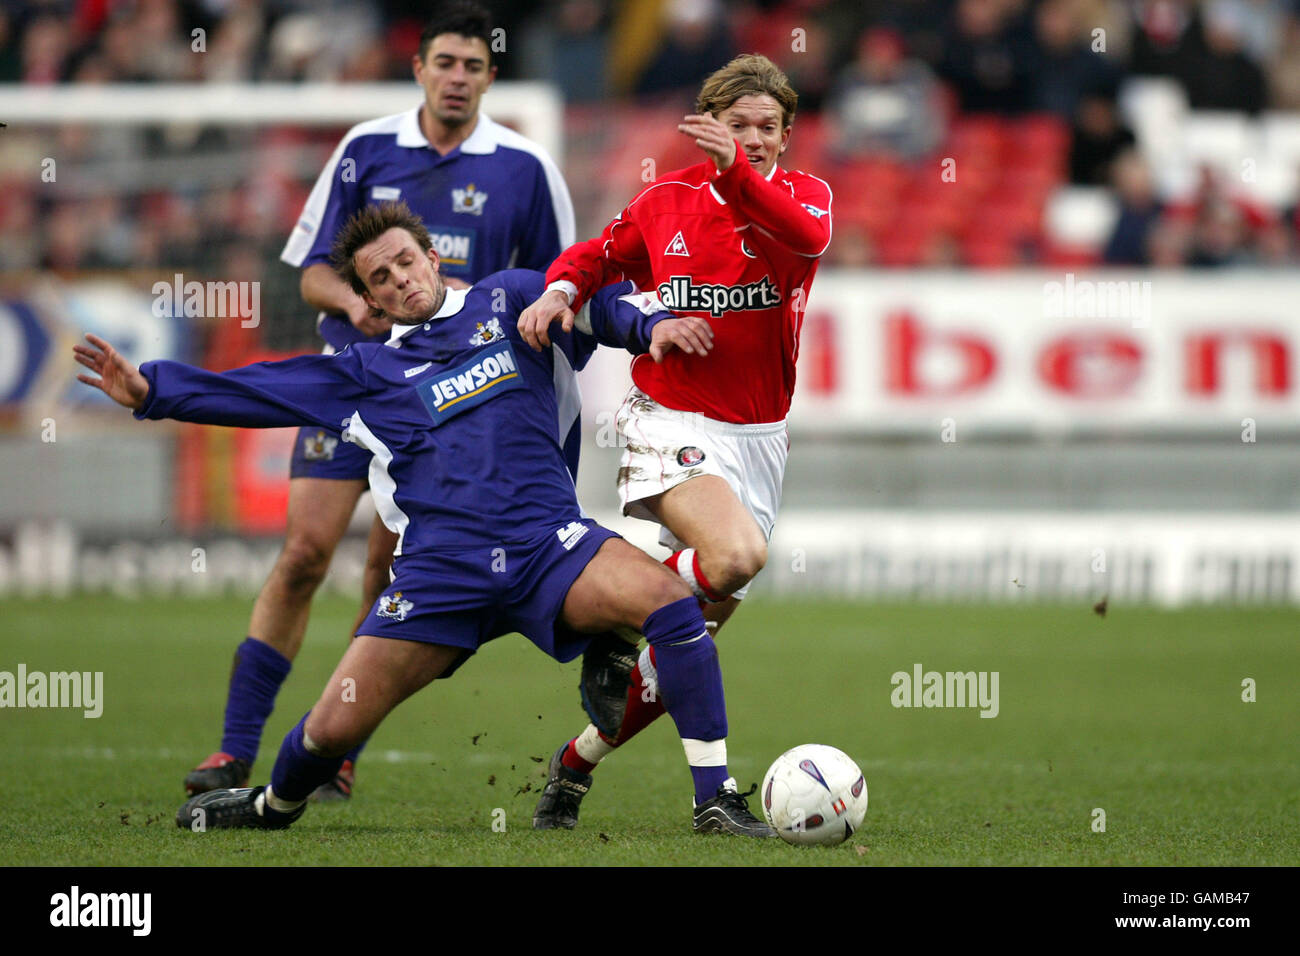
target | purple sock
[
  {"x": 355, "y": 753},
  {"x": 254, "y": 681},
  {"x": 297, "y": 770},
  {"x": 690, "y": 682},
  {"x": 708, "y": 780}
]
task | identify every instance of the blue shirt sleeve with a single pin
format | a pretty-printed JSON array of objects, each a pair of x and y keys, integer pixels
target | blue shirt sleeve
[
  {"x": 620, "y": 316},
  {"x": 540, "y": 242},
  {"x": 319, "y": 390}
]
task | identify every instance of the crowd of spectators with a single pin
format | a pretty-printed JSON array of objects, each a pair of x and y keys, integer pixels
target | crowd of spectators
[{"x": 880, "y": 82}]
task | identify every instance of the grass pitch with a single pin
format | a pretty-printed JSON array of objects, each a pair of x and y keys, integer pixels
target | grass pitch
[{"x": 1139, "y": 714}]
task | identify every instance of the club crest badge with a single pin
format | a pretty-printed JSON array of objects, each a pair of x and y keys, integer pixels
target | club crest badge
[
  {"x": 689, "y": 456},
  {"x": 469, "y": 200},
  {"x": 319, "y": 447},
  {"x": 394, "y": 606},
  {"x": 487, "y": 334}
]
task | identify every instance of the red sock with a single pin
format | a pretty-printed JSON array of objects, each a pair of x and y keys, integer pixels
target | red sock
[
  {"x": 640, "y": 713},
  {"x": 571, "y": 759},
  {"x": 686, "y": 563}
]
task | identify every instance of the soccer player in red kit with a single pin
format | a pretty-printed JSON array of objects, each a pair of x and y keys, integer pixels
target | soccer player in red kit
[{"x": 735, "y": 239}]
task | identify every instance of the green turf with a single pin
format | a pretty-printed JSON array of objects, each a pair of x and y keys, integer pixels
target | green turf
[{"x": 1139, "y": 713}]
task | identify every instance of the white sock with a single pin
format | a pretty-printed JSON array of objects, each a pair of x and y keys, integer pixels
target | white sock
[
  {"x": 705, "y": 753},
  {"x": 590, "y": 746},
  {"x": 279, "y": 805}
]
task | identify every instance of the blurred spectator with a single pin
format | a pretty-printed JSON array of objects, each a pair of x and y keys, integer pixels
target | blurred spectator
[
  {"x": 167, "y": 48},
  {"x": 65, "y": 238},
  {"x": 1274, "y": 246},
  {"x": 234, "y": 45},
  {"x": 1099, "y": 137},
  {"x": 1114, "y": 18},
  {"x": 1167, "y": 38},
  {"x": 1168, "y": 244},
  {"x": 852, "y": 249},
  {"x": 318, "y": 45},
  {"x": 986, "y": 60},
  {"x": 11, "y": 61},
  {"x": 1139, "y": 210},
  {"x": 1262, "y": 24},
  {"x": 696, "y": 42},
  {"x": 1284, "y": 70},
  {"x": 1065, "y": 66},
  {"x": 568, "y": 45},
  {"x": 791, "y": 33},
  {"x": 941, "y": 251},
  {"x": 1223, "y": 227},
  {"x": 111, "y": 234},
  {"x": 1225, "y": 78},
  {"x": 20, "y": 224},
  {"x": 1219, "y": 237},
  {"x": 884, "y": 102},
  {"x": 46, "y": 44}
]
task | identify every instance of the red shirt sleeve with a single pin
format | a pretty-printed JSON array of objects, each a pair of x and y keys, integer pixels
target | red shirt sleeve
[
  {"x": 801, "y": 223},
  {"x": 616, "y": 253}
]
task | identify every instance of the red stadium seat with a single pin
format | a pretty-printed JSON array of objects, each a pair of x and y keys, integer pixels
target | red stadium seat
[
  {"x": 1041, "y": 135},
  {"x": 990, "y": 251},
  {"x": 904, "y": 245}
]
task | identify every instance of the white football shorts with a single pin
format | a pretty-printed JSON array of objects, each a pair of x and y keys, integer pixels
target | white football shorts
[{"x": 663, "y": 447}]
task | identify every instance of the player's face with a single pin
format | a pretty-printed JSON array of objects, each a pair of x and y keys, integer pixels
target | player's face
[
  {"x": 755, "y": 121},
  {"x": 455, "y": 74},
  {"x": 400, "y": 277}
]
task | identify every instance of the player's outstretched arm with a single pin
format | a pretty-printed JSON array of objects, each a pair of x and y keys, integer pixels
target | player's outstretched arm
[
  {"x": 118, "y": 379},
  {"x": 319, "y": 390}
]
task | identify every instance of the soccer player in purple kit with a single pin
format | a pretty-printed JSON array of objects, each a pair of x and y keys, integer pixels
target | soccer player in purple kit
[
  {"x": 465, "y": 425},
  {"x": 492, "y": 200}
]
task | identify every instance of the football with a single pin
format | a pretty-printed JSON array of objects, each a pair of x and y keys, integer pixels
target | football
[{"x": 814, "y": 794}]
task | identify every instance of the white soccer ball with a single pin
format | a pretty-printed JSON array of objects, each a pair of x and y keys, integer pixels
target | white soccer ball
[{"x": 813, "y": 794}]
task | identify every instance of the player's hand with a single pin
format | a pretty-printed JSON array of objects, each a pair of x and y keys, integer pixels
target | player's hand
[
  {"x": 712, "y": 137},
  {"x": 118, "y": 379},
  {"x": 369, "y": 321},
  {"x": 535, "y": 321},
  {"x": 690, "y": 333}
]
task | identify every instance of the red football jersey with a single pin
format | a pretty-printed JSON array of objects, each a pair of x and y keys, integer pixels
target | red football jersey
[{"x": 733, "y": 247}]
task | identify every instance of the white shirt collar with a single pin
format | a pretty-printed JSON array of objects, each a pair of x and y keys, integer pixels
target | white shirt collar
[
  {"x": 482, "y": 141},
  {"x": 451, "y": 304}
]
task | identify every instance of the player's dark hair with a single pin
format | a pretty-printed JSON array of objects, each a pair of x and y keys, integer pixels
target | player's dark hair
[
  {"x": 462, "y": 17},
  {"x": 365, "y": 227},
  {"x": 749, "y": 75}
]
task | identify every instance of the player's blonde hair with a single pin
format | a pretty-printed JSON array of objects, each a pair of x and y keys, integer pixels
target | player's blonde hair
[{"x": 751, "y": 74}]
